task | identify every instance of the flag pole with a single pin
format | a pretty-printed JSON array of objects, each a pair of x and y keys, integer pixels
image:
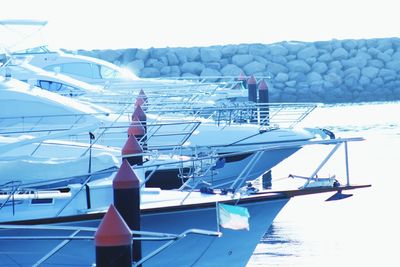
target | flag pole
[{"x": 217, "y": 211}]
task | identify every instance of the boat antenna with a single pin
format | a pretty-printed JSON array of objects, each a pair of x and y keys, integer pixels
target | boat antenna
[{"x": 91, "y": 137}]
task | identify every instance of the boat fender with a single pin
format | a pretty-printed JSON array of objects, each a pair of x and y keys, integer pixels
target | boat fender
[
  {"x": 329, "y": 133},
  {"x": 336, "y": 183},
  {"x": 225, "y": 191},
  {"x": 206, "y": 190}
]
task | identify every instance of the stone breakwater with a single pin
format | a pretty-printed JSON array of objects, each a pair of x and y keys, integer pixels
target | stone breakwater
[{"x": 325, "y": 71}]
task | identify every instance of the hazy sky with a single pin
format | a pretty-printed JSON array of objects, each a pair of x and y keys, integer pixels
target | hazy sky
[{"x": 102, "y": 24}]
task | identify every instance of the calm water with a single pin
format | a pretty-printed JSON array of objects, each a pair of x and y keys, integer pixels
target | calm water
[{"x": 359, "y": 231}]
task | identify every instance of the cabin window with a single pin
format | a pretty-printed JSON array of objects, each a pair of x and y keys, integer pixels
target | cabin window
[
  {"x": 61, "y": 88},
  {"x": 42, "y": 201},
  {"x": 79, "y": 69},
  {"x": 107, "y": 73}
]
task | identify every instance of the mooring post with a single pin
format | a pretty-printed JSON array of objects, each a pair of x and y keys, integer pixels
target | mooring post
[
  {"x": 126, "y": 188},
  {"x": 132, "y": 151},
  {"x": 113, "y": 241},
  {"x": 263, "y": 99}
]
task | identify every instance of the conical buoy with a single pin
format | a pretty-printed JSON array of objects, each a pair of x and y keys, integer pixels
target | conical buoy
[
  {"x": 125, "y": 177},
  {"x": 141, "y": 99},
  {"x": 136, "y": 129},
  {"x": 126, "y": 187},
  {"x": 113, "y": 241},
  {"x": 132, "y": 151},
  {"x": 252, "y": 89},
  {"x": 242, "y": 81},
  {"x": 139, "y": 113},
  {"x": 263, "y": 98}
]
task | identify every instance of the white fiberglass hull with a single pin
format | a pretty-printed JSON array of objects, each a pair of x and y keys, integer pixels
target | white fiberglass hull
[{"x": 234, "y": 248}]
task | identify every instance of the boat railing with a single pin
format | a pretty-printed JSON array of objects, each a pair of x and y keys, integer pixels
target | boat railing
[
  {"x": 44, "y": 123},
  {"x": 77, "y": 234},
  {"x": 263, "y": 114}
]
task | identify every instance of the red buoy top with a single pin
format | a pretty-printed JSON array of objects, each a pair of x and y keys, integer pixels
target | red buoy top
[
  {"x": 251, "y": 80},
  {"x": 241, "y": 77},
  {"x": 262, "y": 85},
  {"x": 142, "y": 95},
  {"x": 139, "y": 101},
  {"x": 112, "y": 231},
  {"x": 136, "y": 128},
  {"x": 131, "y": 146},
  {"x": 139, "y": 113},
  {"x": 125, "y": 177}
]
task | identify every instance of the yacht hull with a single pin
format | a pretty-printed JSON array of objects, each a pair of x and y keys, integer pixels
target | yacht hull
[{"x": 233, "y": 248}]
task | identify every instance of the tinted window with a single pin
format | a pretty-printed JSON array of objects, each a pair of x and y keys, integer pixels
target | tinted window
[{"x": 79, "y": 69}]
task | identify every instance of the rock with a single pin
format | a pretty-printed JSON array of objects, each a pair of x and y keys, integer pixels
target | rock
[
  {"x": 278, "y": 50},
  {"x": 110, "y": 55},
  {"x": 142, "y": 54},
  {"x": 387, "y": 74},
  {"x": 190, "y": 75},
  {"x": 335, "y": 66},
  {"x": 393, "y": 65},
  {"x": 241, "y": 60},
  {"x": 290, "y": 83},
  {"x": 253, "y": 67},
  {"x": 378, "y": 81},
  {"x": 324, "y": 46},
  {"x": 359, "y": 61},
  {"x": 384, "y": 44},
  {"x": 212, "y": 73},
  {"x": 210, "y": 55},
  {"x": 258, "y": 50},
  {"x": 164, "y": 60},
  {"x": 192, "y": 53},
  {"x": 158, "y": 52},
  {"x": 152, "y": 62},
  {"x": 294, "y": 47},
  {"x": 311, "y": 60},
  {"x": 224, "y": 62},
  {"x": 192, "y": 67},
  {"x": 352, "y": 72},
  {"x": 384, "y": 57},
  {"x": 349, "y": 44},
  {"x": 298, "y": 66},
  {"x": 231, "y": 70},
  {"x": 175, "y": 71},
  {"x": 396, "y": 56},
  {"x": 298, "y": 76},
  {"x": 373, "y": 51},
  {"x": 182, "y": 58},
  {"x": 213, "y": 65},
  {"x": 351, "y": 81},
  {"x": 370, "y": 72},
  {"x": 187, "y": 54},
  {"x": 149, "y": 72},
  {"x": 260, "y": 59},
  {"x": 364, "y": 80},
  {"x": 333, "y": 79},
  {"x": 282, "y": 77},
  {"x": 325, "y": 57},
  {"x": 228, "y": 50},
  {"x": 376, "y": 63},
  {"x": 242, "y": 49},
  {"x": 314, "y": 78},
  {"x": 279, "y": 59},
  {"x": 340, "y": 53},
  {"x": 172, "y": 58},
  {"x": 275, "y": 68},
  {"x": 136, "y": 66},
  {"x": 319, "y": 67},
  {"x": 165, "y": 71},
  {"x": 310, "y": 51},
  {"x": 128, "y": 55}
]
